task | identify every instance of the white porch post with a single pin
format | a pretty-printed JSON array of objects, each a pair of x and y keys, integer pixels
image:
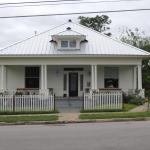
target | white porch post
[
  {"x": 44, "y": 89},
  {"x": 135, "y": 77},
  {"x": 92, "y": 77},
  {"x": 139, "y": 77},
  {"x": 45, "y": 67},
  {"x": 42, "y": 77},
  {"x": 3, "y": 77},
  {"x": 95, "y": 76}
]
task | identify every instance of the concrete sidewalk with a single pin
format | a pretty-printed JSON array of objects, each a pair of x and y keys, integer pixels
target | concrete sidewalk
[
  {"x": 69, "y": 117},
  {"x": 141, "y": 108}
]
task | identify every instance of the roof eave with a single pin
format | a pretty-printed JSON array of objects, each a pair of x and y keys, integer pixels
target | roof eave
[{"x": 74, "y": 55}]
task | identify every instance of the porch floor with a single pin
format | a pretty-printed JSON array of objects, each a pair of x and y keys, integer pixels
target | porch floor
[{"x": 69, "y": 104}]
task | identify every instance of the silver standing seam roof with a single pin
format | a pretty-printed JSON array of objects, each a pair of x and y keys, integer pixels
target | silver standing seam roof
[{"x": 97, "y": 44}]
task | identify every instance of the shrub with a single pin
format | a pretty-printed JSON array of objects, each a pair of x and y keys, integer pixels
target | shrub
[
  {"x": 147, "y": 93},
  {"x": 132, "y": 99}
]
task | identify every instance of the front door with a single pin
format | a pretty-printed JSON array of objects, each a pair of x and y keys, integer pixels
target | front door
[{"x": 73, "y": 84}]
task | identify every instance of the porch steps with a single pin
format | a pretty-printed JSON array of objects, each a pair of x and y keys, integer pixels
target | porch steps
[{"x": 69, "y": 104}]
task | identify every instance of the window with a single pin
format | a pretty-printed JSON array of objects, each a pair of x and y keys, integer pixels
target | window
[
  {"x": 68, "y": 44},
  {"x": 64, "y": 44},
  {"x": 81, "y": 82},
  {"x": 111, "y": 77},
  {"x": 65, "y": 82},
  {"x": 31, "y": 77},
  {"x": 72, "y": 43}
]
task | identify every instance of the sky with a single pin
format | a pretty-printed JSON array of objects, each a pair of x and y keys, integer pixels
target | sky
[{"x": 17, "y": 29}]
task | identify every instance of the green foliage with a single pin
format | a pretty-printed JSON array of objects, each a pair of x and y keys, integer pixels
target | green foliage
[
  {"x": 147, "y": 93},
  {"x": 27, "y": 112},
  {"x": 127, "y": 107},
  {"x": 115, "y": 115},
  {"x": 138, "y": 39},
  {"x": 98, "y": 23},
  {"x": 100, "y": 110},
  {"x": 132, "y": 99},
  {"x": 27, "y": 118}
]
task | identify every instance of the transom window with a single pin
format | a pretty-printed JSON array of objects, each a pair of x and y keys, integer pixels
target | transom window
[
  {"x": 31, "y": 77},
  {"x": 68, "y": 44}
]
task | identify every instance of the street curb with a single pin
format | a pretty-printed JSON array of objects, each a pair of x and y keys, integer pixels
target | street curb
[{"x": 78, "y": 121}]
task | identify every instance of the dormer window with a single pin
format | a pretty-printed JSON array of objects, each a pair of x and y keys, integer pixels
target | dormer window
[
  {"x": 64, "y": 44},
  {"x": 72, "y": 43},
  {"x": 68, "y": 39},
  {"x": 68, "y": 44}
]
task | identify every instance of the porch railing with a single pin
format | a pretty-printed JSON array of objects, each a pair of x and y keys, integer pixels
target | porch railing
[
  {"x": 103, "y": 100},
  {"x": 23, "y": 103}
]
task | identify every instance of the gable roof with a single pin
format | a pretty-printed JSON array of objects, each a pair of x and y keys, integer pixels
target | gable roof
[
  {"x": 69, "y": 32},
  {"x": 98, "y": 45}
]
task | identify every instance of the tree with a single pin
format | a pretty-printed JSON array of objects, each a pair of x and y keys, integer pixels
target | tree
[
  {"x": 139, "y": 40},
  {"x": 98, "y": 23}
]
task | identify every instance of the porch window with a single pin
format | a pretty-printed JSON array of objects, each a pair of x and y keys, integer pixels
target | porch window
[
  {"x": 81, "y": 82},
  {"x": 111, "y": 77},
  {"x": 31, "y": 77}
]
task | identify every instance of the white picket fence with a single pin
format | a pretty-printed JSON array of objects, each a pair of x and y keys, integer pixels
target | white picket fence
[
  {"x": 103, "y": 100},
  {"x": 20, "y": 103}
]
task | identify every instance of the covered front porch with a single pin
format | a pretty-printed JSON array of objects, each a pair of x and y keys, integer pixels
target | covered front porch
[
  {"x": 69, "y": 81},
  {"x": 97, "y": 83}
]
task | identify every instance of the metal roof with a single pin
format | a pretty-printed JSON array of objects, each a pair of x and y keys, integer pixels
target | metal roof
[{"x": 97, "y": 44}]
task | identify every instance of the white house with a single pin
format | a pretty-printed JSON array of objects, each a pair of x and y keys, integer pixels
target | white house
[{"x": 69, "y": 60}]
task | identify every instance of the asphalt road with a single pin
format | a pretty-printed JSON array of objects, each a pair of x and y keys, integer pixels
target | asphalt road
[{"x": 92, "y": 136}]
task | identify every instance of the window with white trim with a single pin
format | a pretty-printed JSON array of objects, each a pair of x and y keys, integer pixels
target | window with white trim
[
  {"x": 68, "y": 44},
  {"x": 111, "y": 75},
  {"x": 32, "y": 77}
]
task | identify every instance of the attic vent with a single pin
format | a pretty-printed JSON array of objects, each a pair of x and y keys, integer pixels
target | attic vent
[{"x": 68, "y": 28}]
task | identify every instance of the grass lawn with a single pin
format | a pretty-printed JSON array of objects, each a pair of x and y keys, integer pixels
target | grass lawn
[
  {"x": 27, "y": 118},
  {"x": 111, "y": 115},
  {"x": 127, "y": 107}
]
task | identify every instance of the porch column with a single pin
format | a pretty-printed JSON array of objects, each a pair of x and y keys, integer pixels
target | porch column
[
  {"x": 3, "y": 77},
  {"x": 42, "y": 77},
  {"x": 95, "y": 76},
  {"x": 45, "y": 71},
  {"x": 92, "y": 77},
  {"x": 139, "y": 77},
  {"x": 135, "y": 77}
]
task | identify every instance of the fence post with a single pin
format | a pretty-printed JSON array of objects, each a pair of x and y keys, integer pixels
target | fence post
[
  {"x": 13, "y": 103},
  {"x": 148, "y": 104},
  {"x": 83, "y": 102},
  {"x": 54, "y": 103},
  {"x": 122, "y": 100}
]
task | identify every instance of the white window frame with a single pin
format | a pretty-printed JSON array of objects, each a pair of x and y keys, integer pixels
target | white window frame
[
  {"x": 69, "y": 41},
  {"x": 64, "y": 41}
]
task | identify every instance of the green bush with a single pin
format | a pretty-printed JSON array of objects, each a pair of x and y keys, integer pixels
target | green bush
[
  {"x": 100, "y": 110},
  {"x": 132, "y": 99},
  {"x": 147, "y": 93}
]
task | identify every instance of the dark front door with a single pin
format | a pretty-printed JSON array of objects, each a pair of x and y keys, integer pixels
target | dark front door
[{"x": 73, "y": 84}]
